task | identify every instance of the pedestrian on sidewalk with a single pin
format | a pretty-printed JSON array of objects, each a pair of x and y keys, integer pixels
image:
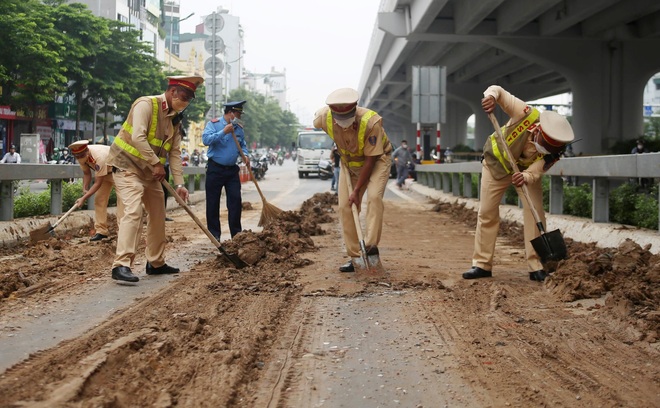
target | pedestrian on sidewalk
[
  {"x": 95, "y": 158},
  {"x": 402, "y": 158},
  {"x": 11, "y": 156},
  {"x": 146, "y": 140},
  {"x": 222, "y": 170},
  {"x": 366, "y": 153},
  {"x": 537, "y": 141}
]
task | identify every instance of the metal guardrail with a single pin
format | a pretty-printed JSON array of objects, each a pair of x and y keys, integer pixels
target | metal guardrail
[
  {"x": 603, "y": 171},
  {"x": 55, "y": 174}
]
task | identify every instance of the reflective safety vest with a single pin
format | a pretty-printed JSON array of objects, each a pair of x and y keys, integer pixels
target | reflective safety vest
[
  {"x": 498, "y": 161},
  {"x": 354, "y": 159},
  {"x": 159, "y": 147}
]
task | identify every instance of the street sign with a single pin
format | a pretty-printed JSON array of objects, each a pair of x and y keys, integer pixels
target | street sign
[
  {"x": 429, "y": 94},
  {"x": 214, "y": 66},
  {"x": 212, "y": 96},
  {"x": 214, "y": 45},
  {"x": 214, "y": 23},
  {"x": 648, "y": 110}
]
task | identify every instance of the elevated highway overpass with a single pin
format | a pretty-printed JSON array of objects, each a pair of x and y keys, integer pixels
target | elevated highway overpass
[{"x": 602, "y": 51}]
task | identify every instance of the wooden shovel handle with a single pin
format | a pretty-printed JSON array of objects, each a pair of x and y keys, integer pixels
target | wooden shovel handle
[
  {"x": 190, "y": 212},
  {"x": 356, "y": 216},
  {"x": 502, "y": 144},
  {"x": 66, "y": 214}
]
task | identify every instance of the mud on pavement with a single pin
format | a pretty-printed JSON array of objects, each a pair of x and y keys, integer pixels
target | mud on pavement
[{"x": 222, "y": 337}]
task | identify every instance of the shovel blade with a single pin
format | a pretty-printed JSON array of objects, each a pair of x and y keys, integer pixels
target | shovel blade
[
  {"x": 370, "y": 265},
  {"x": 550, "y": 246},
  {"x": 233, "y": 258},
  {"x": 42, "y": 233}
]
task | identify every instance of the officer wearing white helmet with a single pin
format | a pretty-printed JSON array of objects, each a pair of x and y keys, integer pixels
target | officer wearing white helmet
[
  {"x": 536, "y": 140},
  {"x": 94, "y": 158},
  {"x": 366, "y": 153}
]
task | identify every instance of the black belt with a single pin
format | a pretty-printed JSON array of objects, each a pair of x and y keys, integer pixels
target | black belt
[{"x": 221, "y": 165}]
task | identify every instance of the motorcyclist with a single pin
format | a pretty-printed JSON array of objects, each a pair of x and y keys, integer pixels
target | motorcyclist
[{"x": 196, "y": 158}]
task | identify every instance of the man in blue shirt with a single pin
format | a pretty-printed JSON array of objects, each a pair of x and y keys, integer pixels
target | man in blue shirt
[{"x": 222, "y": 170}]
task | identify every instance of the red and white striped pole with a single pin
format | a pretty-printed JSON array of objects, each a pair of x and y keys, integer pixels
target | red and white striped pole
[
  {"x": 438, "y": 152},
  {"x": 419, "y": 142}
]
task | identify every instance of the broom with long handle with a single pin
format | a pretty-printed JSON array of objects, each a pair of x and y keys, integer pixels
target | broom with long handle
[{"x": 269, "y": 212}]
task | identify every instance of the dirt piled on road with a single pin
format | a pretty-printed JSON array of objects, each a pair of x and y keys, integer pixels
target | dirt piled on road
[{"x": 207, "y": 339}]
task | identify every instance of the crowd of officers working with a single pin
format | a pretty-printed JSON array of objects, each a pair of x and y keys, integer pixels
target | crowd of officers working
[{"x": 151, "y": 137}]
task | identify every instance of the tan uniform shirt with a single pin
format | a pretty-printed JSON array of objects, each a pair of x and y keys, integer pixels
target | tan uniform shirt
[
  {"x": 98, "y": 162},
  {"x": 140, "y": 117},
  {"x": 515, "y": 108}
]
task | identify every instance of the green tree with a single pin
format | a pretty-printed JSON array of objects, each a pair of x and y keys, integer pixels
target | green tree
[
  {"x": 124, "y": 70},
  {"x": 265, "y": 122},
  {"x": 83, "y": 34},
  {"x": 31, "y": 69}
]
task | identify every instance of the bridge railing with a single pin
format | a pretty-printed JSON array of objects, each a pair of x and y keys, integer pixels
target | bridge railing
[
  {"x": 55, "y": 174},
  {"x": 605, "y": 172}
]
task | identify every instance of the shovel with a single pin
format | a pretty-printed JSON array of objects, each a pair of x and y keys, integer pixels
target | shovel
[
  {"x": 549, "y": 246},
  {"x": 46, "y": 231},
  {"x": 369, "y": 261},
  {"x": 233, "y": 258}
]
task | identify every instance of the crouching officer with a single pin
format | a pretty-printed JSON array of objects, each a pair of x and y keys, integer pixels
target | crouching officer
[
  {"x": 94, "y": 158},
  {"x": 146, "y": 140}
]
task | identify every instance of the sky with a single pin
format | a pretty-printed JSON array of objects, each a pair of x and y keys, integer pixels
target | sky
[{"x": 322, "y": 44}]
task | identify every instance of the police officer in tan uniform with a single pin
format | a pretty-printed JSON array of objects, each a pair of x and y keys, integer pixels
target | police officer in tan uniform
[
  {"x": 366, "y": 153},
  {"x": 94, "y": 158},
  {"x": 536, "y": 140},
  {"x": 145, "y": 142}
]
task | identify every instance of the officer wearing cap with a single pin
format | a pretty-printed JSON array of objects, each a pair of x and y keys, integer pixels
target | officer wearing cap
[
  {"x": 536, "y": 140},
  {"x": 366, "y": 153},
  {"x": 221, "y": 168},
  {"x": 147, "y": 139},
  {"x": 11, "y": 156},
  {"x": 94, "y": 158}
]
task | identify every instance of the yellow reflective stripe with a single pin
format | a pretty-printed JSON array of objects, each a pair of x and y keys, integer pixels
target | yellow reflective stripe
[
  {"x": 132, "y": 150},
  {"x": 357, "y": 159},
  {"x": 151, "y": 137},
  {"x": 328, "y": 124},
  {"x": 512, "y": 136},
  {"x": 500, "y": 157}
]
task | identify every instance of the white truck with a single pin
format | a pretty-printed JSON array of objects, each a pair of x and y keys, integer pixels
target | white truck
[{"x": 313, "y": 145}]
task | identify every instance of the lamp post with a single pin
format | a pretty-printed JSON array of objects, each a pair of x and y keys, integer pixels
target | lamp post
[{"x": 172, "y": 31}]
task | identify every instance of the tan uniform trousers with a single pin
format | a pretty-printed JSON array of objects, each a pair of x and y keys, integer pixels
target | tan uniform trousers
[
  {"x": 134, "y": 192},
  {"x": 101, "y": 205},
  {"x": 374, "y": 218},
  {"x": 488, "y": 221}
]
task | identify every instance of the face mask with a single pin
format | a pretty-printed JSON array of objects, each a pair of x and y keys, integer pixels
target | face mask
[
  {"x": 640, "y": 147},
  {"x": 405, "y": 146},
  {"x": 345, "y": 123},
  {"x": 178, "y": 105}
]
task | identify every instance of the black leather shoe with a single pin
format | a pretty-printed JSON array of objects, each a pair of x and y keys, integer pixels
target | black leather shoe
[
  {"x": 97, "y": 237},
  {"x": 372, "y": 250},
  {"x": 124, "y": 273},
  {"x": 538, "y": 276},
  {"x": 168, "y": 219},
  {"x": 347, "y": 267},
  {"x": 475, "y": 272},
  {"x": 161, "y": 270}
]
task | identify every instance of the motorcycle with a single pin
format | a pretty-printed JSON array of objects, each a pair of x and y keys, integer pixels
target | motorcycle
[
  {"x": 325, "y": 169},
  {"x": 258, "y": 169},
  {"x": 280, "y": 160}
]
